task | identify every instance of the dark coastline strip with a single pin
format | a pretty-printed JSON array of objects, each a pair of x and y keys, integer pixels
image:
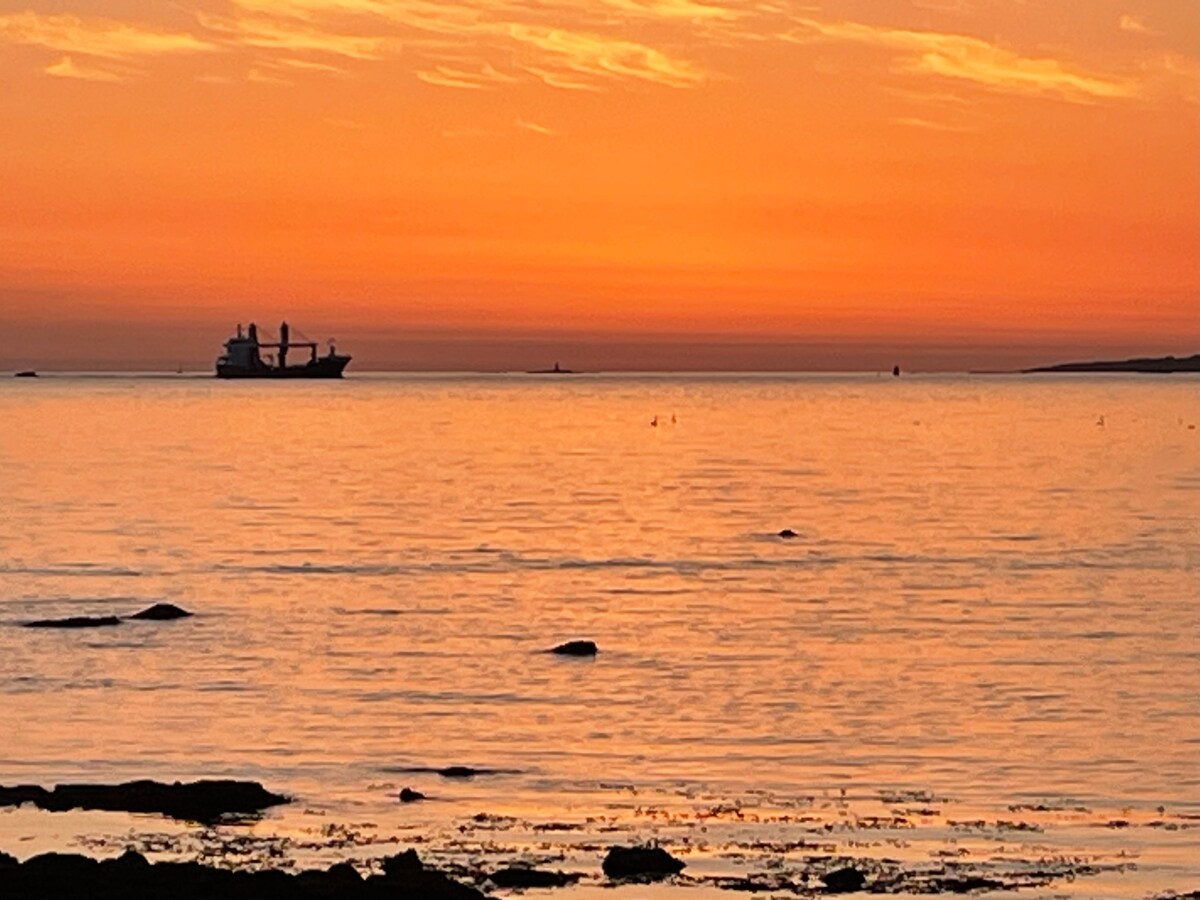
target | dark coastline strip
[
  {"x": 57, "y": 876},
  {"x": 1156, "y": 365},
  {"x": 199, "y": 801}
]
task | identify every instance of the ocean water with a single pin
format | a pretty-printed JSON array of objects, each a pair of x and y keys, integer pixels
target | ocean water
[{"x": 979, "y": 656}]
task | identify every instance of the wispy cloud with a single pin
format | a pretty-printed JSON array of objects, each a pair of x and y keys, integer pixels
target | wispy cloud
[
  {"x": 68, "y": 68},
  {"x": 599, "y": 56},
  {"x": 974, "y": 60},
  {"x": 576, "y": 44},
  {"x": 1135, "y": 24},
  {"x": 294, "y": 37},
  {"x": 932, "y": 125},
  {"x": 534, "y": 127},
  {"x": 104, "y": 38},
  {"x": 471, "y": 79},
  {"x": 443, "y": 77}
]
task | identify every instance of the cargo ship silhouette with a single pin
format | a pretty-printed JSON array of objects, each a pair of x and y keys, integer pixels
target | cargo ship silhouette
[{"x": 243, "y": 357}]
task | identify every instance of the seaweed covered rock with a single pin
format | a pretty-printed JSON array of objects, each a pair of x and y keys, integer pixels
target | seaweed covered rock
[
  {"x": 58, "y": 876},
  {"x": 846, "y": 880},
  {"x": 640, "y": 862}
]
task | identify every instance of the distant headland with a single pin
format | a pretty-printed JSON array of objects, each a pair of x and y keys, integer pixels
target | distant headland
[{"x": 1158, "y": 364}]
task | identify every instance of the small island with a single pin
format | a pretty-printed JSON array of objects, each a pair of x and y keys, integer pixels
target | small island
[{"x": 1163, "y": 364}]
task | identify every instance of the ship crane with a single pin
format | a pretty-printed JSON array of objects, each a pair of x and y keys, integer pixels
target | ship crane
[{"x": 284, "y": 343}]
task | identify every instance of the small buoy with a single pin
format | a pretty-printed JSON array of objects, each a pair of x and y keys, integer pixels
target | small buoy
[
  {"x": 654, "y": 422},
  {"x": 895, "y": 371}
]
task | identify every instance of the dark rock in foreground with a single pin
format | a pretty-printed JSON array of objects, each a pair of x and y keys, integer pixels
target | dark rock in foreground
[
  {"x": 199, "y": 801},
  {"x": 161, "y": 612},
  {"x": 844, "y": 881},
  {"x": 56, "y": 876},
  {"x": 76, "y": 622},
  {"x": 640, "y": 862},
  {"x": 408, "y": 795},
  {"x": 576, "y": 648},
  {"x": 522, "y": 877}
]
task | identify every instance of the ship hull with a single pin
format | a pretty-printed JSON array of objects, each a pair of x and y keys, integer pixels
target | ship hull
[{"x": 324, "y": 367}]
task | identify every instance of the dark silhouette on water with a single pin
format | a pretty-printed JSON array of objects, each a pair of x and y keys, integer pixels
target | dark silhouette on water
[
  {"x": 1162, "y": 364},
  {"x": 161, "y": 612},
  {"x": 243, "y": 359},
  {"x": 452, "y": 771},
  {"x": 198, "y": 801},
  {"x": 408, "y": 795},
  {"x": 787, "y": 533},
  {"x": 525, "y": 877},
  {"x": 76, "y": 622},
  {"x": 555, "y": 371},
  {"x": 641, "y": 862},
  {"x": 575, "y": 648},
  {"x": 895, "y": 371},
  {"x": 27, "y": 373}
]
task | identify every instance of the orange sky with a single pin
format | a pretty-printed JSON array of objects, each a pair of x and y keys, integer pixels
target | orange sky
[{"x": 619, "y": 183}]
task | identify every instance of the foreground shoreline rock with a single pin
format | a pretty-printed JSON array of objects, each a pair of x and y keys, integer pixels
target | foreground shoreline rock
[
  {"x": 197, "y": 801},
  {"x": 57, "y": 876}
]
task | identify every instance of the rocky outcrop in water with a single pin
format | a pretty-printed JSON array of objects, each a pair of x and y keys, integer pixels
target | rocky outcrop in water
[
  {"x": 161, "y": 612},
  {"x": 640, "y": 862},
  {"x": 787, "y": 533},
  {"x": 523, "y": 877},
  {"x": 408, "y": 795},
  {"x": 76, "y": 622},
  {"x": 846, "y": 880},
  {"x": 199, "y": 801},
  {"x": 576, "y": 648},
  {"x": 58, "y": 876}
]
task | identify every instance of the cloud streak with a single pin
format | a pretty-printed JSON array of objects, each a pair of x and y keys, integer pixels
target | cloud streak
[
  {"x": 68, "y": 68},
  {"x": 972, "y": 59},
  {"x": 104, "y": 38}
]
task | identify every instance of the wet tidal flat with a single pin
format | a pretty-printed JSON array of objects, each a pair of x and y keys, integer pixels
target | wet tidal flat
[{"x": 972, "y": 668}]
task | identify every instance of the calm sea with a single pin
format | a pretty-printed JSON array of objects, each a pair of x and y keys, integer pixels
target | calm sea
[{"x": 979, "y": 656}]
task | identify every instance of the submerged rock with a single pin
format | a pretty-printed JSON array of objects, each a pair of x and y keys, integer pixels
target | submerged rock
[
  {"x": 131, "y": 877},
  {"x": 788, "y": 533},
  {"x": 846, "y": 880},
  {"x": 199, "y": 801},
  {"x": 463, "y": 772},
  {"x": 408, "y": 795},
  {"x": 523, "y": 877},
  {"x": 161, "y": 612},
  {"x": 76, "y": 622},
  {"x": 640, "y": 862},
  {"x": 576, "y": 648}
]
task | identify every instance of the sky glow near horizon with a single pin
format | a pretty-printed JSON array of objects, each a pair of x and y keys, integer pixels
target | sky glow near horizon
[{"x": 997, "y": 180}]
